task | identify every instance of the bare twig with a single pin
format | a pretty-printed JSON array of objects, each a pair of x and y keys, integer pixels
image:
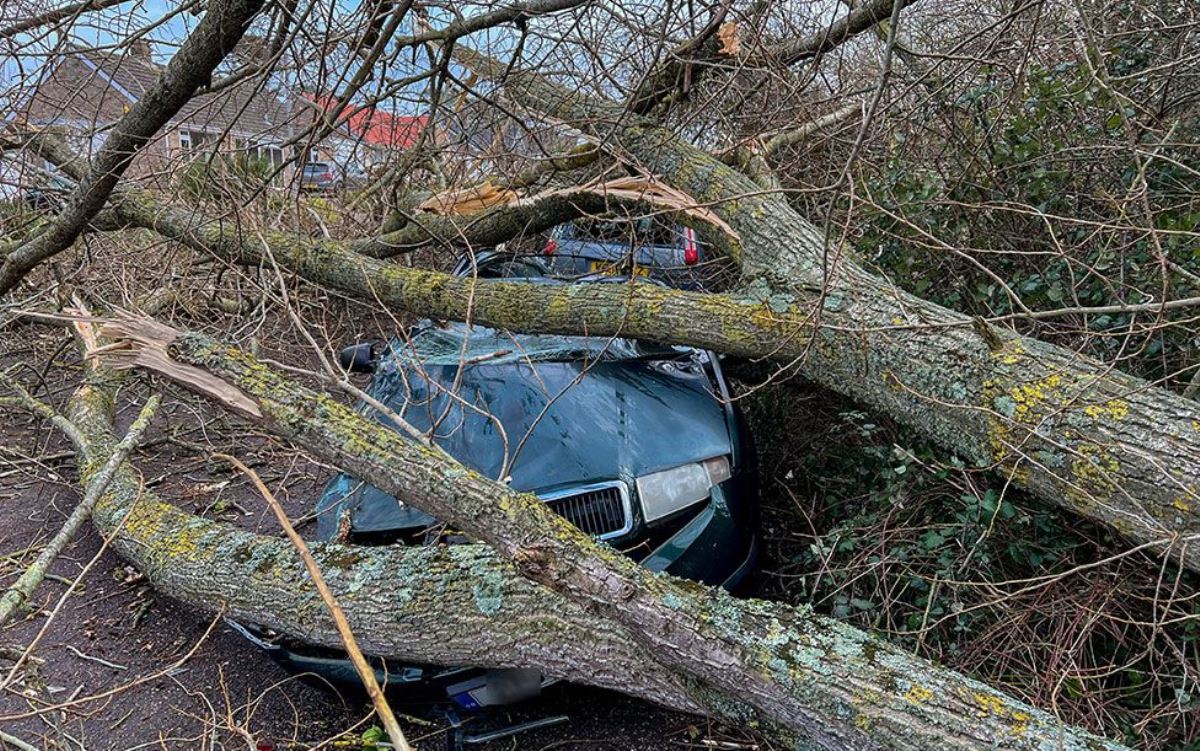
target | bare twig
[
  {"x": 365, "y": 671},
  {"x": 16, "y": 742}
]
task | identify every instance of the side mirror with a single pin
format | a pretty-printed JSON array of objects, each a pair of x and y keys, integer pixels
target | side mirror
[{"x": 358, "y": 358}]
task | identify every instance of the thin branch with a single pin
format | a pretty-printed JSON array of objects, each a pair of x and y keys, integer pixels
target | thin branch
[
  {"x": 365, "y": 672},
  {"x": 20, "y": 592},
  {"x": 216, "y": 35},
  {"x": 72, "y": 11}
]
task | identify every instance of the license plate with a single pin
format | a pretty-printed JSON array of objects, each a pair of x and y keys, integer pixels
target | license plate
[{"x": 608, "y": 268}]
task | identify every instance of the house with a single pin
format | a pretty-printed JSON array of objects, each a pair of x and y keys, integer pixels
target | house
[{"x": 84, "y": 91}]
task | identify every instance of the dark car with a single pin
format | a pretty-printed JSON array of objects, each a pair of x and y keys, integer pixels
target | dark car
[
  {"x": 636, "y": 443},
  {"x": 645, "y": 246}
]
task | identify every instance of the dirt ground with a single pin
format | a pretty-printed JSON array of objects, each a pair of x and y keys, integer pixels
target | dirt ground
[{"x": 119, "y": 667}]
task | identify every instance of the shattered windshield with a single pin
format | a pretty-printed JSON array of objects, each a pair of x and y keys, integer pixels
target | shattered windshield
[{"x": 455, "y": 343}]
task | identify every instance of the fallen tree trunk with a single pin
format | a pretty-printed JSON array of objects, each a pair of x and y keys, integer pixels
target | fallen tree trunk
[
  {"x": 807, "y": 675},
  {"x": 1076, "y": 432},
  {"x": 438, "y": 604}
]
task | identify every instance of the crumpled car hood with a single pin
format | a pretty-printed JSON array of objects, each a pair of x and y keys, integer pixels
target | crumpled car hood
[{"x": 619, "y": 419}]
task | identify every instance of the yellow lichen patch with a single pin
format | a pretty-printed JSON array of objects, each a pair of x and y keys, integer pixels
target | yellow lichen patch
[
  {"x": 1115, "y": 409},
  {"x": 763, "y": 317},
  {"x": 1010, "y": 353},
  {"x": 989, "y": 704},
  {"x": 559, "y": 308},
  {"x": 918, "y": 694},
  {"x": 148, "y": 524},
  {"x": 1029, "y": 397},
  {"x": 1181, "y": 503},
  {"x": 993, "y": 706},
  {"x": 1020, "y": 722},
  {"x": 1000, "y": 439},
  {"x": 1094, "y": 470}
]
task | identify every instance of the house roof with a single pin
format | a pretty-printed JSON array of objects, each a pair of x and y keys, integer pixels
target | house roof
[
  {"x": 392, "y": 131},
  {"x": 246, "y": 108},
  {"x": 376, "y": 127}
]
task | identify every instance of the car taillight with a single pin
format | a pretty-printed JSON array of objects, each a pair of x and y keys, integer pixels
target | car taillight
[
  {"x": 551, "y": 247},
  {"x": 691, "y": 253}
]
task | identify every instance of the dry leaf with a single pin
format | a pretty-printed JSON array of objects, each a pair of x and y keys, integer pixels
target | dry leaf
[{"x": 728, "y": 34}]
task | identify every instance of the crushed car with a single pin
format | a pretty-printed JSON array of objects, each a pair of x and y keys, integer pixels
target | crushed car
[{"x": 639, "y": 444}]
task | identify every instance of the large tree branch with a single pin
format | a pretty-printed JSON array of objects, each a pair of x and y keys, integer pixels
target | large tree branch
[
  {"x": 215, "y": 36},
  {"x": 439, "y": 605},
  {"x": 1074, "y": 431},
  {"x": 760, "y": 654}
]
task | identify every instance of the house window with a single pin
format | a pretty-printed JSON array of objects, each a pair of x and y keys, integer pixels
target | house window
[
  {"x": 194, "y": 141},
  {"x": 273, "y": 155}
]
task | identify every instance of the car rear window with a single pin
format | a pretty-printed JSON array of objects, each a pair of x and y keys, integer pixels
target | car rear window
[
  {"x": 643, "y": 231},
  {"x": 316, "y": 167}
]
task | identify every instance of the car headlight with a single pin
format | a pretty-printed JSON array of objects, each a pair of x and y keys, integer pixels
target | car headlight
[{"x": 663, "y": 493}]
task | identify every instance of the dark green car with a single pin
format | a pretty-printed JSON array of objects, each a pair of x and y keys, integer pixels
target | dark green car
[{"x": 637, "y": 443}]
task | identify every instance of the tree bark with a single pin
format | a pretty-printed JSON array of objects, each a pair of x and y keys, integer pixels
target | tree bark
[
  {"x": 445, "y": 605},
  {"x": 1076, "y": 432},
  {"x": 805, "y": 674}
]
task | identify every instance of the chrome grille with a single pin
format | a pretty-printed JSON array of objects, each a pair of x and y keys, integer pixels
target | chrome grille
[{"x": 601, "y": 510}]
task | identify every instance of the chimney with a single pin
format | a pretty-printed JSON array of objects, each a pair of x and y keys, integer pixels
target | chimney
[{"x": 141, "y": 50}]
